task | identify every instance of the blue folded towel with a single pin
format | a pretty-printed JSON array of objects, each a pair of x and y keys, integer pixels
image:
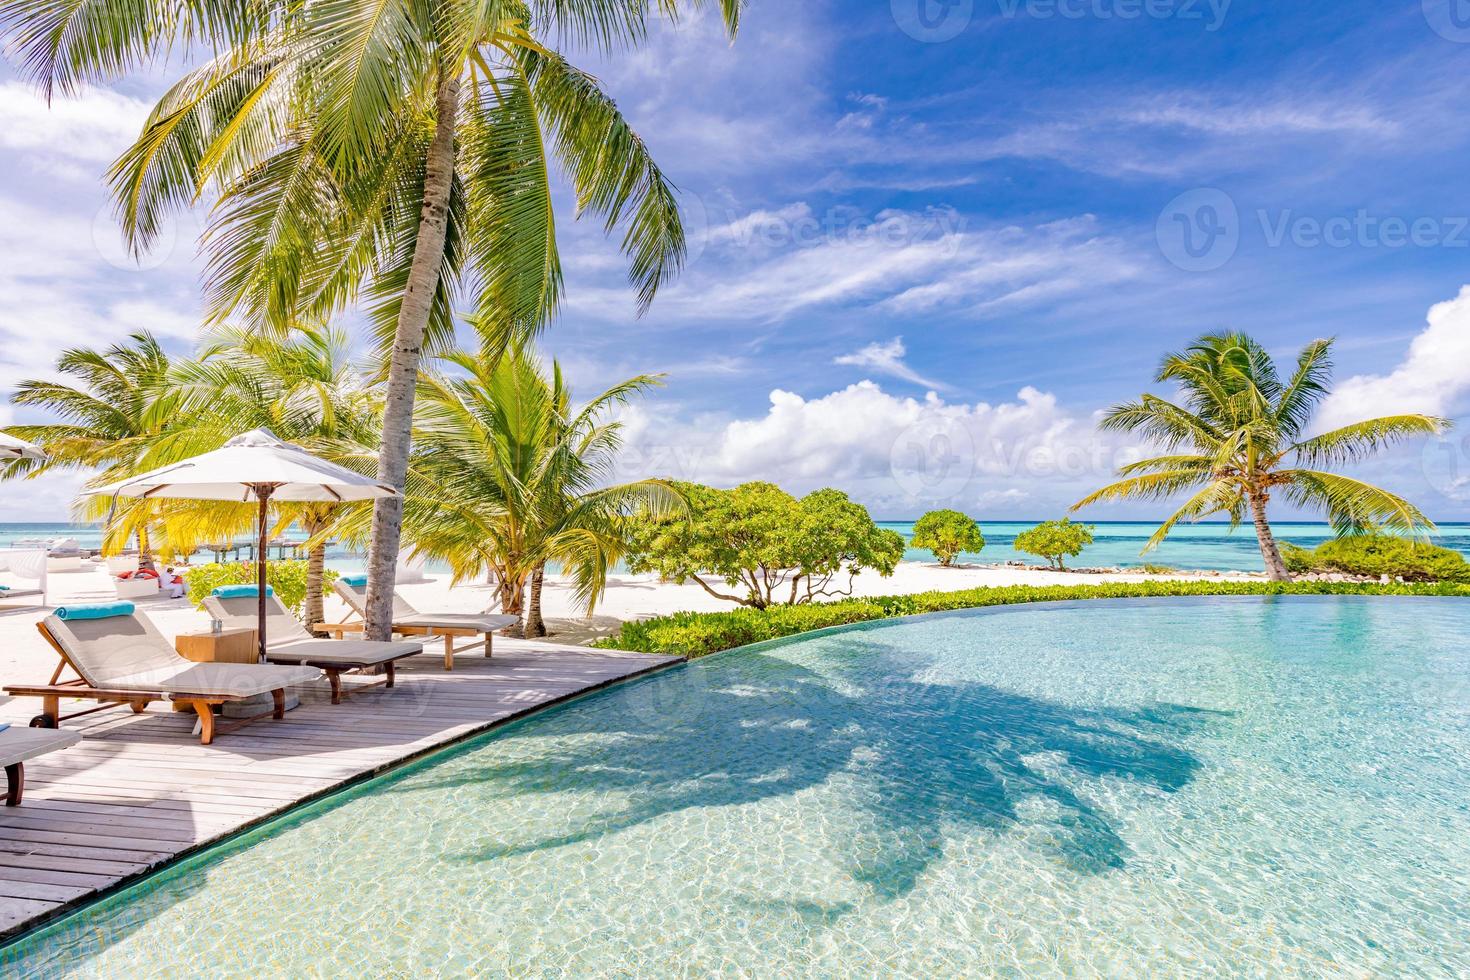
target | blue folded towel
[
  {"x": 4, "y": 588},
  {"x": 95, "y": 610},
  {"x": 356, "y": 581},
  {"x": 4, "y": 726},
  {"x": 240, "y": 591}
]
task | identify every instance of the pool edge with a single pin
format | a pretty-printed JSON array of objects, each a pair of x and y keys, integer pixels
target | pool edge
[{"x": 15, "y": 934}]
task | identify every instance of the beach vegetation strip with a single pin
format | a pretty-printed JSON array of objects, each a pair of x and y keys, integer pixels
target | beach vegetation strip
[{"x": 694, "y": 634}]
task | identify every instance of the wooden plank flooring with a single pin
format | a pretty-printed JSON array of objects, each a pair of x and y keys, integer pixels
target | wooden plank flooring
[{"x": 139, "y": 790}]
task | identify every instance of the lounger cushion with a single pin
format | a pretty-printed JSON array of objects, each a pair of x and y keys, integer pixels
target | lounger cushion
[
  {"x": 127, "y": 653},
  {"x": 484, "y": 623},
  {"x": 20, "y": 744},
  {"x": 404, "y": 613},
  {"x": 243, "y": 612},
  {"x": 345, "y": 653},
  {"x": 217, "y": 680}
]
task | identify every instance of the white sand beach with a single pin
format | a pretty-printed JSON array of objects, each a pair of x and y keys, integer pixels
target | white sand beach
[{"x": 25, "y": 657}]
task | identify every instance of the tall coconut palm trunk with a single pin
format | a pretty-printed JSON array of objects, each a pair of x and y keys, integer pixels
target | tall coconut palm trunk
[
  {"x": 316, "y": 561},
  {"x": 534, "y": 626},
  {"x": 1275, "y": 567},
  {"x": 403, "y": 369},
  {"x": 512, "y": 601}
]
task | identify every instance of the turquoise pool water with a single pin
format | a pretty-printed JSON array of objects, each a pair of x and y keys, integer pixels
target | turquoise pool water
[{"x": 1174, "y": 786}]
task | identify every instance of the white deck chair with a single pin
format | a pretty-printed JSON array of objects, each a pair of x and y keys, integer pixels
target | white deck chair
[
  {"x": 124, "y": 659},
  {"x": 408, "y": 621},
  {"x": 288, "y": 642}
]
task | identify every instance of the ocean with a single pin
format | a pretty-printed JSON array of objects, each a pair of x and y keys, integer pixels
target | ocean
[{"x": 1116, "y": 543}]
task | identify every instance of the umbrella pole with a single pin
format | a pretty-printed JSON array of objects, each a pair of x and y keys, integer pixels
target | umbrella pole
[{"x": 263, "y": 494}]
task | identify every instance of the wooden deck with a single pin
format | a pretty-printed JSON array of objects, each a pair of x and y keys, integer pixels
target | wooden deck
[{"x": 139, "y": 790}]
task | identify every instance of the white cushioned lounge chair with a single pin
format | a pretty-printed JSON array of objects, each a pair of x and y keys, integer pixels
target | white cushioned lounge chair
[
  {"x": 288, "y": 642},
  {"x": 123, "y": 659},
  {"x": 408, "y": 621}
]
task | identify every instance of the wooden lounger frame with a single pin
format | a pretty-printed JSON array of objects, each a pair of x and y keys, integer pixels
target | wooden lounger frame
[
  {"x": 335, "y": 669},
  {"x": 406, "y": 629},
  {"x": 53, "y": 691}
]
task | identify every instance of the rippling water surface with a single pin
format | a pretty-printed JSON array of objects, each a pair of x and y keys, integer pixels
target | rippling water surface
[{"x": 1246, "y": 785}]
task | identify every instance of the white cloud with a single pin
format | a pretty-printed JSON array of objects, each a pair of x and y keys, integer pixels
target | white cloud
[
  {"x": 90, "y": 129},
  {"x": 887, "y": 358},
  {"x": 769, "y": 265},
  {"x": 1433, "y": 378},
  {"x": 894, "y": 454}
]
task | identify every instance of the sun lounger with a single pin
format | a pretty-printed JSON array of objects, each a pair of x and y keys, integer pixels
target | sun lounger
[
  {"x": 18, "y": 745},
  {"x": 408, "y": 621},
  {"x": 288, "y": 642},
  {"x": 120, "y": 657}
]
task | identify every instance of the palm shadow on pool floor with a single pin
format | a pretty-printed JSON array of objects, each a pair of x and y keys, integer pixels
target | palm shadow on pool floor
[{"x": 928, "y": 760}]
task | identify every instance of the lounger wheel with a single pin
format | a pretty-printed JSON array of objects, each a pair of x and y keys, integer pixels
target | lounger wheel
[{"x": 43, "y": 721}]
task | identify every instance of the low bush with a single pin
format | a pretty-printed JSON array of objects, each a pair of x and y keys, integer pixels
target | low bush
[
  {"x": 1055, "y": 541},
  {"x": 286, "y": 578},
  {"x": 1376, "y": 555},
  {"x": 698, "y": 634},
  {"x": 948, "y": 534}
]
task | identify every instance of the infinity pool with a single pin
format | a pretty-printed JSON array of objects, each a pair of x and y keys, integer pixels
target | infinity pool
[{"x": 1180, "y": 786}]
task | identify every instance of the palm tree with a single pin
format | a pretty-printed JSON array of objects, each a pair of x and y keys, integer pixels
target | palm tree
[
  {"x": 393, "y": 149},
  {"x": 114, "y": 421},
  {"x": 1239, "y": 437},
  {"x": 507, "y": 477},
  {"x": 304, "y": 388}
]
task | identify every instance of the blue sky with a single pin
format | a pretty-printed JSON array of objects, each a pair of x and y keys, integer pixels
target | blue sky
[{"x": 927, "y": 250}]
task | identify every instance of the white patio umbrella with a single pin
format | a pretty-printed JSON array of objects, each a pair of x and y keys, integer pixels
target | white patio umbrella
[
  {"x": 13, "y": 448},
  {"x": 253, "y": 466}
]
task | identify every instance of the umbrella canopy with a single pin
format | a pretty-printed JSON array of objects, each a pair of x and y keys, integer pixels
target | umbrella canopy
[
  {"x": 254, "y": 466},
  {"x": 239, "y": 470},
  {"x": 13, "y": 448}
]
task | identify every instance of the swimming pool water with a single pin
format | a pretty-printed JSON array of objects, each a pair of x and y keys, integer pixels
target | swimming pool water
[{"x": 1175, "y": 786}]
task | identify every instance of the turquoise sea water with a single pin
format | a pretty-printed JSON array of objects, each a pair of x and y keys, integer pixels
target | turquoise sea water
[
  {"x": 1194, "y": 546},
  {"x": 1189, "y": 546},
  {"x": 1176, "y": 787}
]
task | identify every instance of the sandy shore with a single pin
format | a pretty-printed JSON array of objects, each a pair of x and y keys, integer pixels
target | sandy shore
[{"x": 25, "y": 657}]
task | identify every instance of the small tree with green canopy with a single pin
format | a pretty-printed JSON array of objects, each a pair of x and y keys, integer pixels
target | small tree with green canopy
[
  {"x": 761, "y": 540},
  {"x": 947, "y": 533},
  {"x": 1055, "y": 540}
]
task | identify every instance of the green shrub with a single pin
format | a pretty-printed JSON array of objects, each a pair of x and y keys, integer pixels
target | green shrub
[
  {"x": 697, "y": 634},
  {"x": 287, "y": 578},
  {"x": 1298, "y": 560},
  {"x": 1387, "y": 554},
  {"x": 947, "y": 533},
  {"x": 1149, "y": 568},
  {"x": 1055, "y": 540}
]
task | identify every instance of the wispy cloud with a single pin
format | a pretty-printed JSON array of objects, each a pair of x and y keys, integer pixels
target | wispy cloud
[{"x": 887, "y": 358}]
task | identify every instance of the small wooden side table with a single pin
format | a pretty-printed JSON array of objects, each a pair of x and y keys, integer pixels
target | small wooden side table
[{"x": 228, "y": 646}]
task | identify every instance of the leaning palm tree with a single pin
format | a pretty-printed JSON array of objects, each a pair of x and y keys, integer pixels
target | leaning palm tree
[
  {"x": 303, "y": 387},
  {"x": 115, "y": 421},
  {"x": 393, "y": 150},
  {"x": 507, "y": 476},
  {"x": 1239, "y": 437}
]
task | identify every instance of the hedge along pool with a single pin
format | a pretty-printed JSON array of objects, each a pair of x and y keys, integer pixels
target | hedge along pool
[{"x": 1244, "y": 784}]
